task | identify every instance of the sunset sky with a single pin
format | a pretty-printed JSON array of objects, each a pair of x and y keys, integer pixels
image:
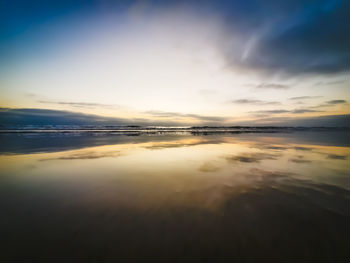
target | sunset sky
[{"x": 177, "y": 62}]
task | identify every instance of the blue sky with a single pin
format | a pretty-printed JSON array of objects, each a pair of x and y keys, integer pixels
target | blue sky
[{"x": 185, "y": 62}]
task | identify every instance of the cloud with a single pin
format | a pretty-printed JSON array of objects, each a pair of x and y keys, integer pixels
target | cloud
[
  {"x": 270, "y": 111},
  {"x": 333, "y": 102},
  {"x": 317, "y": 121},
  {"x": 79, "y": 104},
  {"x": 305, "y": 97},
  {"x": 297, "y": 111},
  {"x": 164, "y": 114},
  {"x": 291, "y": 37},
  {"x": 10, "y": 117},
  {"x": 329, "y": 103},
  {"x": 280, "y": 111},
  {"x": 14, "y": 117},
  {"x": 59, "y": 117},
  {"x": 30, "y": 95},
  {"x": 54, "y": 117},
  {"x": 255, "y": 102},
  {"x": 329, "y": 83},
  {"x": 272, "y": 86}
]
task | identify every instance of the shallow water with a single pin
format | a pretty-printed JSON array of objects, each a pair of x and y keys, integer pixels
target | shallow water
[{"x": 175, "y": 197}]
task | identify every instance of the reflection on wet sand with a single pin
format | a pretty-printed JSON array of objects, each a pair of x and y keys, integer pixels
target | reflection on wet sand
[{"x": 178, "y": 198}]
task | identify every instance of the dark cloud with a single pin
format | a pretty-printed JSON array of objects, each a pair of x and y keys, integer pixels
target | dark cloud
[
  {"x": 333, "y": 102},
  {"x": 293, "y": 37},
  {"x": 286, "y": 37},
  {"x": 12, "y": 117},
  {"x": 272, "y": 86},
  {"x": 52, "y": 117},
  {"x": 255, "y": 102}
]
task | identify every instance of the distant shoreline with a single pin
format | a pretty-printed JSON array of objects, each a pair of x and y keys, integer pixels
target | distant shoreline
[{"x": 152, "y": 129}]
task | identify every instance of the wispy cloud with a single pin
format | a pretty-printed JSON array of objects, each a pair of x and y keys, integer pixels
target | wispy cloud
[
  {"x": 280, "y": 111},
  {"x": 305, "y": 97},
  {"x": 164, "y": 114},
  {"x": 330, "y": 103},
  {"x": 30, "y": 95},
  {"x": 255, "y": 102},
  {"x": 272, "y": 86},
  {"x": 269, "y": 111},
  {"x": 316, "y": 121},
  {"x": 79, "y": 104},
  {"x": 333, "y": 102},
  {"x": 329, "y": 83},
  {"x": 296, "y": 111}
]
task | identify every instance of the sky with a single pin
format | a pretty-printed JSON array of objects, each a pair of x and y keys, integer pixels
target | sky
[{"x": 176, "y": 62}]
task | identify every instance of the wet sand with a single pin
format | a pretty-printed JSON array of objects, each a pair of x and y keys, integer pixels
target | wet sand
[{"x": 176, "y": 198}]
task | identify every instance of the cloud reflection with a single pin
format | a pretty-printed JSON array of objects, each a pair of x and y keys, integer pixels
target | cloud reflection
[
  {"x": 85, "y": 156},
  {"x": 252, "y": 157}
]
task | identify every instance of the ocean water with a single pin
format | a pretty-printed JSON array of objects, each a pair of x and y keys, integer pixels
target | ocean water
[{"x": 175, "y": 196}]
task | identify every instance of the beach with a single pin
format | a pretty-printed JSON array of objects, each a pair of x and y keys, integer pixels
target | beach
[{"x": 175, "y": 197}]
